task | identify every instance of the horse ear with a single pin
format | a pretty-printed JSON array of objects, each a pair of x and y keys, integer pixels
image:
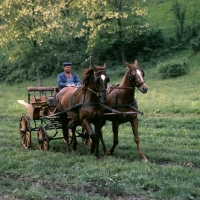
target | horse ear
[
  {"x": 136, "y": 63},
  {"x": 104, "y": 65},
  {"x": 92, "y": 65},
  {"x": 128, "y": 65}
]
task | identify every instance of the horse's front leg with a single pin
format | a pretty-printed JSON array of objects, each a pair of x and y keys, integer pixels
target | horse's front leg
[
  {"x": 95, "y": 139},
  {"x": 134, "y": 124},
  {"x": 115, "y": 128},
  {"x": 102, "y": 142},
  {"x": 100, "y": 133},
  {"x": 97, "y": 133}
]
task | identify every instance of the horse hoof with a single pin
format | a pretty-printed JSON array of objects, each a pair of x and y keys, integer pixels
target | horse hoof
[
  {"x": 92, "y": 150},
  {"x": 68, "y": 152},
  {"x": 144, "y": 160},
  {"x": 74, "y": 147},
  {"x": 109, "y": 153}
]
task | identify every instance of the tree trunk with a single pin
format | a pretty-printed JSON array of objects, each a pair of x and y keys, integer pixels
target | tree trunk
[{"x": 37, "y": 70}]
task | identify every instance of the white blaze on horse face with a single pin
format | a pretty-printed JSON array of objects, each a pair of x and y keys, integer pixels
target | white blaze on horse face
[
  {"x": 139, "y": 74},
  {"x": 103, "y": 77}
]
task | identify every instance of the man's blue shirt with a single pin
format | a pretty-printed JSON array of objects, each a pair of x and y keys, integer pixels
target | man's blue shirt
[{"x": 62, "y": 80}]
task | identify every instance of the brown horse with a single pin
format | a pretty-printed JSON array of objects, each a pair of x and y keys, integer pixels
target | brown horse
[
  {"x": 82, "y": 106},
  {"x": 122, "y": 98}
]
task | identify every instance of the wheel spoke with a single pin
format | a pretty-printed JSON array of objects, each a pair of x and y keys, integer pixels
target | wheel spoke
[
  {"x": 43, "y": 142},
  {"x": 25, "y": 131}
]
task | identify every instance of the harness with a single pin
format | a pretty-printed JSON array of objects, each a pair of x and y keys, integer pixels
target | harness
[
  {"x": 112, "y": 108},
  {"x": 83, "y": 103},
  {"x": 133, "y": 84}
]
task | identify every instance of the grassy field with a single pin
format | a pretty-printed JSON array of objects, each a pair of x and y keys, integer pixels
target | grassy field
[{"x": 170, "y": 139}]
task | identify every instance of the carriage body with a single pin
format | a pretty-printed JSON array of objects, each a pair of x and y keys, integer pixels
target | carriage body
[
  {"x": 40, "y": 106},
  {"x": 41, "y": 101}
]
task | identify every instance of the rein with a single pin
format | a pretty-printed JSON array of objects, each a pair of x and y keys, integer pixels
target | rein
[
  {"x": 97, "y": 93},
  {"x": 131, "y": 105},
  {"x": 103, "y": 105},
  {"x": 74, "y": 107}
]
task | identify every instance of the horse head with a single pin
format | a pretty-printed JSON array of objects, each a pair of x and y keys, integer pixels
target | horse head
[
  {"x": 100, "y": 81},
  {"x": 136, "y": 77}
]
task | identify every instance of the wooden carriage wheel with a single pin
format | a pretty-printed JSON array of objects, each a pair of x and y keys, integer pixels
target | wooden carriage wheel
[
  {"x": 25, "y": 131},
  {"x": 43, "y": 138}
]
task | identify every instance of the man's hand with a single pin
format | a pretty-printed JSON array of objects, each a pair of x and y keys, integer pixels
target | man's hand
[{"x": 70, "y": 85}]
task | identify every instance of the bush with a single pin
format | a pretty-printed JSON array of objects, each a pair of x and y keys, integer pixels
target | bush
[
  {"x": 195, "y": 44},
  {"x": 174, "y": 69}
]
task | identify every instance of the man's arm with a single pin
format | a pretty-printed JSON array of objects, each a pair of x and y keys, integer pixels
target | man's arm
[
  {"x": 60, "y": 82},
  {"x": 77, "y": 79}
]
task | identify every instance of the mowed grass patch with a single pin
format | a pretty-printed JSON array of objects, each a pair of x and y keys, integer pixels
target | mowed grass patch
[
  {"x": 169, "y": 138},
  {"x": 170, "y": 144}
]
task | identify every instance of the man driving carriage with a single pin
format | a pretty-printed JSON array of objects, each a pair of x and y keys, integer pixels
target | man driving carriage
[{"x": 68, "y": 78}]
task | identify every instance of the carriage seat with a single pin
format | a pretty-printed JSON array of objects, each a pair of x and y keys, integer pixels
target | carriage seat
[{"x": 42, "y": 100}]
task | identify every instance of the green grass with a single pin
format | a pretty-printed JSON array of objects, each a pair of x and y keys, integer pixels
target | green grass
[
  {"x": 159, "y": 12},
  {"x": 169, "y": 134}
]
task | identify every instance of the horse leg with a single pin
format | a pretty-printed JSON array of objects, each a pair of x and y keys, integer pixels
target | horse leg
[
  {"x": 102, "y": 142},
  {"x": 86, "y": 125},
  {"x": 103, "y": 122},
  {"x": 74, "y": 140},
  {"x": 115, "y": 128},
  {"x": 65, "y": 132},
  {"x": 97, "y": 134},
  {"x": 134, "y": 124}
]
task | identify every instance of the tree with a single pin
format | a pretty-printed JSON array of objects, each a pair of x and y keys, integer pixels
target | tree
[
  {"x": 109, "y": 22},
  {"x": 179, "y": 12},
  {"x": 31, "y": 25}
]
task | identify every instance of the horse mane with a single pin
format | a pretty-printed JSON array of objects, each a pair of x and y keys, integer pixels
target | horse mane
[{"x": 86, "y": 74}]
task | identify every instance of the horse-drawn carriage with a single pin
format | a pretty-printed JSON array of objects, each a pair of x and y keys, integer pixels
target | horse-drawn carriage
[{"x": 91, "y": 103}]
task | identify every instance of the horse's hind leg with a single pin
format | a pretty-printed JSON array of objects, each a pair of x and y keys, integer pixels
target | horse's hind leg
[
  {"x": 134, "y": 124},
  {"x": 74, "y": 140},
  {"x": 115, "y": 128}
]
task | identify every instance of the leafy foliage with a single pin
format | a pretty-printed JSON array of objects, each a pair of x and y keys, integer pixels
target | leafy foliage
[
  {"x": 173, "y": 69},
  {"x": 195, "y": 44},
  {"x": 37, "y": 36}
]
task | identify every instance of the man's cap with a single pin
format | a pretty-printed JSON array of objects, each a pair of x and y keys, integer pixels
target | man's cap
[{"x": 67, "y": 64}]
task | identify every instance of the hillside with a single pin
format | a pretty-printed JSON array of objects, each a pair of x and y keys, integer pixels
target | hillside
[{"x": 160, "y": 13}]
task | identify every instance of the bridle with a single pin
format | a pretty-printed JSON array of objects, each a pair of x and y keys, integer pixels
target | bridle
[
  {"x": 132, "y": 77},
  {"x": 97, "y": 90}
]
